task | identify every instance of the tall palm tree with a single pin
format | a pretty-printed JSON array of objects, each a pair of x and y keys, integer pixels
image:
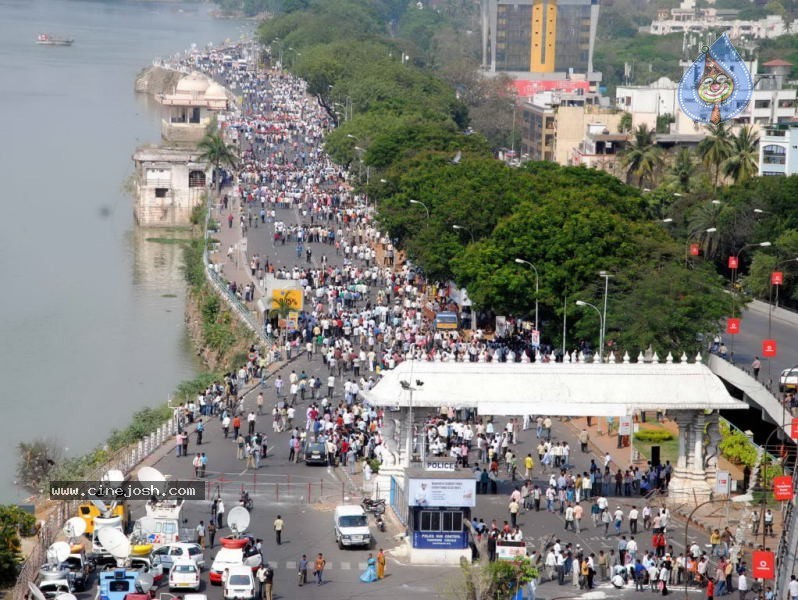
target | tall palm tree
[
  {"x": 705, "y": 216},
  {"x": 715, "y": 148},
  {"x": 215, "y": 151},
  {"x": 643, "y": 158},
  {"x": 743, "y": 159},
  {"x": 683, "y": 168}
]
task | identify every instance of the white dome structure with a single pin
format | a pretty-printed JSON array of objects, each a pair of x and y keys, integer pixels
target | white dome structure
[
  {"x": 194, "y": 83},
  {"x": 215, "y": 92}
]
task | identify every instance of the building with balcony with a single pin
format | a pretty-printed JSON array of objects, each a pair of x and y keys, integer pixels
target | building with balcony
[
  {"x": 554, "y": 123},
  {"x": 600, "y": 149},
  {"x": 689, "y": 19},
  {"x": 778, "y": 150}
]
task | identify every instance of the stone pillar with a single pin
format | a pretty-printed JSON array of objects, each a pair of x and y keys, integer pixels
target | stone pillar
[
  {"x": 712, "y": 451},
  {"x": 688, "y": 483}
]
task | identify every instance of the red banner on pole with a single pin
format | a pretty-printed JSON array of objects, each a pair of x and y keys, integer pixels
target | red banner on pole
[
  {"x": 733, "y": 262},
  {"x": 732, "y": 326},
  {"x": 694, "y": 250},
  {"x": 769, "y": 348},
  {"x": 776, "y": 278},
  {"x": 782, "y": 488},
  {"x": 764, "y": 564},
  {"x": 794, "y": 428}
]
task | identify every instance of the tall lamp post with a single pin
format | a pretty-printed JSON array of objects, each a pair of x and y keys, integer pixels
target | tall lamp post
[
  {"x": 426, "y": 208},
  {"x": 687, "y": 244},
  {"x": 734, "y": 280},
  {"x": 601, "y": 325},
  {"x": 770, "y": 309},
  {"x": 459, "y": 227},
  {"x": 606, "y": 277},
  {"x": 521, "y": 261}
]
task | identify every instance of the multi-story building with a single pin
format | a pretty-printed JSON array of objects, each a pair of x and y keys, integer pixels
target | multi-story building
[
  {"x": 553, "y": 124},
  {"x": 539, "y": 36},
  {"x": 778, "y": 150}
]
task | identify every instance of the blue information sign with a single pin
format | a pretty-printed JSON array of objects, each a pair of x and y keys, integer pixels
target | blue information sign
[{"x": 440, "y": 540}]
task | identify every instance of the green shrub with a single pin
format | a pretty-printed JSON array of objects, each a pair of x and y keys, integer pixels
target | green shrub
[
  {"x": 737, "y": 448},
  {"x": 653, "y": 436}
]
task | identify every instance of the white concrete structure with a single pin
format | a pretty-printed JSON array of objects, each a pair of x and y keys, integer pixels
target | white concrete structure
[
  {"x": 689, "y": 392},
  {"x": 169, "y": 182},
  {"x": 189, "y": 110},
  {"x": 778, "y": 150}
]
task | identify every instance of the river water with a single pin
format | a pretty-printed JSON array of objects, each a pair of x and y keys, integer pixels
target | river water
[{"x": 91, "y": 314}]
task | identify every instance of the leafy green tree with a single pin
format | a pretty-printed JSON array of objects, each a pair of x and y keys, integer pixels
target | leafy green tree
[
  {"x": 743, "y": 159},
  {"x": 716, "y": 148},
  {"x": 214, "y": 150},
  {"x": 705, "y": 216},
  {"x": 625, "y": 123},
  {"x": 36, "y": 460},
  {"x": 664, "y": 121},
  {"x": 643, "y": 158},
  {"x": 13, "y": 520}
]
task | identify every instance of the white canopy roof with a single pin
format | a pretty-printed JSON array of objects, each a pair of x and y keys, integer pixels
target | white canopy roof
[{"x": 567, "y": 389}]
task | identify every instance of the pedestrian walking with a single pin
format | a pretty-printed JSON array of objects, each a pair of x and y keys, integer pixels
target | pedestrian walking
[
  {"x": 755, "y": 366},
  {"x": 200, "y": 430},
  {"x": 381, "y": 564},
  {"x": 318, "y": 568},
  {"x": 220, "y": 514},
  {"x": 302, "y": 573},
  {"x": 200, "y": 532},
  {"x": 211, "y": 533},
  {"x": 278, "y": 529},
  {"x": 268, "y": 583}
]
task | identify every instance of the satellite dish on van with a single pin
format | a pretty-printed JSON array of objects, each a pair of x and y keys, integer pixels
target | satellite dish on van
[
  {"x": 114, "y": 476},
  {"x": 58, "y": 552},
  {"x": 238, "y": 519},
  {"x": 66, "y": 597},
  {"x": 145, "y": 582},
  {"x": 150, "y": 474},
  {"x": 74, "y": 527},
  {"x": 37, "y": 593},
  {"x": 115, "y": 542},
  {"x": 100, "y": 505}
]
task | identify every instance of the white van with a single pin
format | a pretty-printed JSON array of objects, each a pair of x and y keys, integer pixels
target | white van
[
  {"x": 240, "y": 583},
  {"x": 351, "y": 526}
]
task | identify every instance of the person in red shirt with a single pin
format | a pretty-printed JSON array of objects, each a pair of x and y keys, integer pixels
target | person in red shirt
[{"x": 710, "y": 589}]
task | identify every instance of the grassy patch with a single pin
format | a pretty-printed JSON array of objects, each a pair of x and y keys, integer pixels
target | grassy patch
[
  {"x": 168, "y": 240},
  {"x": 668, "y": 449},
  {"x": 168, "y": 295}
]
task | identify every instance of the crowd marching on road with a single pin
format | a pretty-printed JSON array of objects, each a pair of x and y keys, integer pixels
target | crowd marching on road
[{"x": 366, "y": 310}]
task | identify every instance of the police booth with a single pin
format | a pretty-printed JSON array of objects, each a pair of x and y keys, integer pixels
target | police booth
[{"x": 440, "y": 499}]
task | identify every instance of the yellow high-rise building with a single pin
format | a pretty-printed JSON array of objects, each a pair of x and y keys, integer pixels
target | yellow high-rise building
[{"x": 539, "y": 36}]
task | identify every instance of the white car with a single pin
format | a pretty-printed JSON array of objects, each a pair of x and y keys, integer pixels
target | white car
[
  {"x": 240, "y": 583},
  {"x": 184, "y": 575},
  {"x": 789, "y": 379},
  {"x": 228, "y": 558},
  {"x": 170, "y": 553}
]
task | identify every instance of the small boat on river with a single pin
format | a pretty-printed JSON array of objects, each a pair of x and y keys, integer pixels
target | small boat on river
[{"x": 45, "y": 39}]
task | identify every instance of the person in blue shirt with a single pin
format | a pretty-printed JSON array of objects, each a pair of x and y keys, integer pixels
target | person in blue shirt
[{"x": 640, "y": 576}]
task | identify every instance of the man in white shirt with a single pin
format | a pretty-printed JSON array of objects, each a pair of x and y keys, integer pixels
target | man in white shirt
[{"x": 792, "y": 588}]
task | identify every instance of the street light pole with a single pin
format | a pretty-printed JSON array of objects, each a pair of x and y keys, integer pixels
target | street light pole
[
  {"x": 601, "y": 325},
  {"x": 521, "y": 261},
  {"x": 422, "y": 204},
  {"x": 459, "y": 227},
  {"x": 733, "y": 282},
  {"x": 606, "y": 277},
  {"x": 687, "y": 244}
]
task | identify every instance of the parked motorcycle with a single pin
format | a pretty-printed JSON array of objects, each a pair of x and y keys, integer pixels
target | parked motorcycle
[
  {"x": 373, "y": 506},
  {"x": 380, "y": 523}
]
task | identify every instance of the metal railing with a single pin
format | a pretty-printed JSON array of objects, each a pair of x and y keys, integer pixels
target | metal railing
[{"x": 125, "y": 460}]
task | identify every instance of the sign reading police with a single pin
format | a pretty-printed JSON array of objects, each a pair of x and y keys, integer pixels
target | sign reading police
[{"x": 440, "y": 464}]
